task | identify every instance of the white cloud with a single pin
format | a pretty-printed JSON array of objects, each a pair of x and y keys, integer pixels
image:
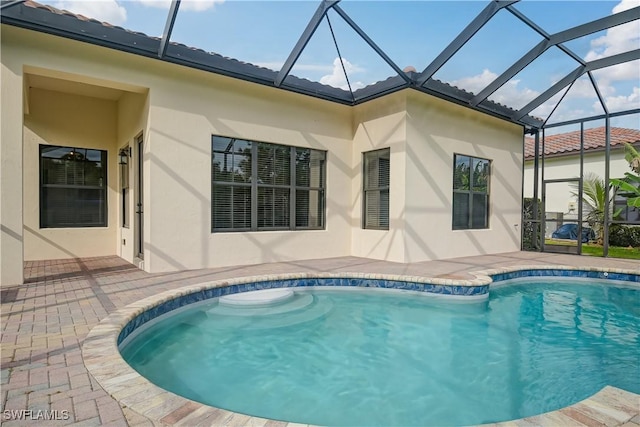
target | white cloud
[
  {"x": 622, "y": 38},
  {"x": 622, "y": 102},
  {"x": 192, "y": 5},
  {"x": 476, "y": 83},
  {"x": 510, "y": 94},
  {"x": 102, "y": 10},
  {"x": 337, "y": 78}
]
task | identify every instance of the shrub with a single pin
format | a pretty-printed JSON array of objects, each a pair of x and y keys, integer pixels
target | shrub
[
  {"x": 531, "y": 230},
  {"x": 624, "y": 235}
]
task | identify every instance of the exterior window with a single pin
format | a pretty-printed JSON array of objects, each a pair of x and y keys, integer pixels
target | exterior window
[
  {"x": 260, "y": 186},
  {"x": 626, "y": 213},
  {"x": 470, "y": 192},
  {"x": 376, "y": 189},
  {"x": 73, "y": 187}
]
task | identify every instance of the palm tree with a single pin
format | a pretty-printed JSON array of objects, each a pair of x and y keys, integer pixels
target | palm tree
[
  {"x": 594, "y": 196},
  {"x": 629, "y": 186}
]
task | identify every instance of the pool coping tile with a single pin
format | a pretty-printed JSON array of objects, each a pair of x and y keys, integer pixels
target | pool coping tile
[{"x": 103, "y": 361}]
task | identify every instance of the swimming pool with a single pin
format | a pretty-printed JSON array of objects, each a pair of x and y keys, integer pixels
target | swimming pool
[
  {"x": 330, "y": 357},
  {"x": 102, "y": 359}
]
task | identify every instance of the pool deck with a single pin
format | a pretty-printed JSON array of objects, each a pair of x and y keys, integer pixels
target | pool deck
[{"x": 45, "y": 322}]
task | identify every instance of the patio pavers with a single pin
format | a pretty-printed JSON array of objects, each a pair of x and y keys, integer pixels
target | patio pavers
[{"x": 45, "y": 321}]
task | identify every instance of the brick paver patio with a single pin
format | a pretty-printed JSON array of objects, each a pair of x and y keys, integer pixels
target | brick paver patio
[{"x": 45, "y": 321}]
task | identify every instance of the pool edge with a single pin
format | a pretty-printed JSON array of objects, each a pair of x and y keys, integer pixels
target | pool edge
[{"x": 610, "y": 406}]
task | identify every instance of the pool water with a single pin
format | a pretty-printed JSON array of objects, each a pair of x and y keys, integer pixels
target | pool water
[{"x": 376, "y": 358}]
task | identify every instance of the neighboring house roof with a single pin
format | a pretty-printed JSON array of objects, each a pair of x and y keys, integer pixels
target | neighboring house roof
[
  {"x": 44, "y": 18},
  {"x": 564, "y": 144}
]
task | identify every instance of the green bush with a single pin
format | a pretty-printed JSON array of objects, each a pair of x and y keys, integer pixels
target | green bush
[
  {"x": 625, "y": 236},
  {"x": 530, "y": 241}
]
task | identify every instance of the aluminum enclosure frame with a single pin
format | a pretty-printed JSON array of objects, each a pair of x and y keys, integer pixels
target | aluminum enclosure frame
[{"x": 29, "y": 15}]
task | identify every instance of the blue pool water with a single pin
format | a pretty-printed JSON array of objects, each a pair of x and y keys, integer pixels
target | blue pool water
[{"x": 372, "y": 358}]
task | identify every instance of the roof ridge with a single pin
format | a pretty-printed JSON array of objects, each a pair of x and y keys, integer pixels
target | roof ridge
[{"x": 593, "y": 139}]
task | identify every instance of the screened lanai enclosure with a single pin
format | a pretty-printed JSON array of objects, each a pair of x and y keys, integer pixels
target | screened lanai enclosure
[{"x": 567, "y": 73}]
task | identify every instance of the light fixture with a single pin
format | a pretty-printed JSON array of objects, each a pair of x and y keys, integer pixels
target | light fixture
[{"x": 124, "y": 154}]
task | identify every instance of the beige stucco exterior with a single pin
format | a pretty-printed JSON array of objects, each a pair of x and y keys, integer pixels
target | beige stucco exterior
[
  {"x": 436, "y": 130},
  {"x": 94, "y": 97}
]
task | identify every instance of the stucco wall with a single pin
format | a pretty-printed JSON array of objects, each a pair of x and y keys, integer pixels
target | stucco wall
[
  {"x": 178, "y": 109},
  {"x": 63, "y": 119},
  {"x": 133, "y": 111},
  {"x": 11, "y": 233},
  {"x": 436, "y": 130},
  {"x": 184, "y": 113},
  {"x": 380, "y": 124},
  {"x": 185, "y": 107}
]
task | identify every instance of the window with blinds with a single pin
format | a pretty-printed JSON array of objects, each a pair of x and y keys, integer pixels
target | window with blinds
[
  {"x": 470, "y": 192},
  {"x": 73, "y": 187},
  {"x": 376, "y": 189},
  {"x": 261, "y": 186}
]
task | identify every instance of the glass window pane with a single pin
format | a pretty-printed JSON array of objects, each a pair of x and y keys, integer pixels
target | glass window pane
[
  {"x": 317, "y": 169},
  {"x": 265, "y": 207},
  {"x": 480, "y": 175},
  {"x": 273, "y": 207},
  {"x": 221, "y": 209},
  {"x": 221, "y": 143},
  {"x": 222, "y": 167},
  {"x": 460, "y": 211},
  {"x": 281, "y": 211},
  {"x": 271, "y": 183},
  {"x": 376, "y": 188},
  {"x": 371, "y": 177},
  {"x": 480, "y": 214},
  {"x": 309, "y": 208},
  {"x": 461, "y": 173},
  {"x": 72, "y": 207},
  {"x": 241, "y": 207},
  {"x": 372, "y": 209},
  {"x": 274, "y": 164},
  {"x": 241, "y": 168},
  {"x": 241, "y": 146},
  {"x": 303, "y": 160},
  {"x": 67, "y": 205},
  {"x": 282, "y": 165},
  {"x": 384, "y": 209}
]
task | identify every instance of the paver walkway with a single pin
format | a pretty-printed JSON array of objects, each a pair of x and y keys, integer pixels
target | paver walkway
[{"x": 45, "y": 321}]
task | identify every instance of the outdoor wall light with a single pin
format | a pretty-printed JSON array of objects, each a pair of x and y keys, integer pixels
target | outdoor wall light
[{"x": 124, "y": 154}]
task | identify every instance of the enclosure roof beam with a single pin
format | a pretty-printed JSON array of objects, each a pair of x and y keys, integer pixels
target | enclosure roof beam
[
  {"x": 168, "y": 27},
  {"x": 591, "y": 118},
  {"x": 553, "y": 40},
  {"x": 8, "y": 4},
  {"x": 574, "y": 75},
  {"x": 465, "y": 35},
  {"x": 371, "y": 43},
  {"x": 308, "y": 32}
]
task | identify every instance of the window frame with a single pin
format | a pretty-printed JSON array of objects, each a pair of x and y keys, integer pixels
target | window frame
[
  {"x": 471, "y": 193},
  {"x": 104, "y": 156},
  {"x": 379, "y": 189},
  {"x": 255, "y": 186}
]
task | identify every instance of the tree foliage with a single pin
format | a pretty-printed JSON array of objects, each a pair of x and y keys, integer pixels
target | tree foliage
[
  {"x": 629, "y": 186},
  {"x": 594, "y": 198}
]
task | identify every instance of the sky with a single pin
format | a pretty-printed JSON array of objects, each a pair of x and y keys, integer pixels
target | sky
[{"x": 412, "y": 33}]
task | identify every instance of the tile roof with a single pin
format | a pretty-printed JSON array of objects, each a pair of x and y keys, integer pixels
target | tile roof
[{"x": 594, "y": 139}]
